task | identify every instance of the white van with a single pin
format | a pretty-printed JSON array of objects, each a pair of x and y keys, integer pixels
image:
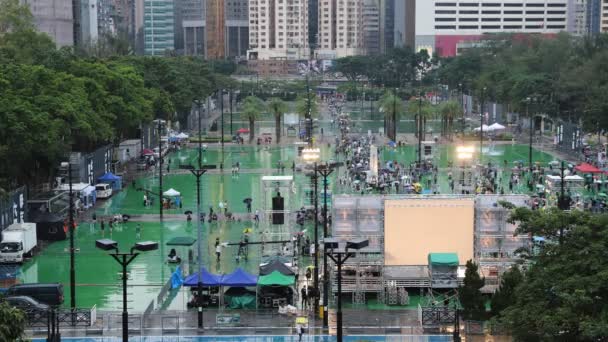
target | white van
[{"x": 103, "y": 190}]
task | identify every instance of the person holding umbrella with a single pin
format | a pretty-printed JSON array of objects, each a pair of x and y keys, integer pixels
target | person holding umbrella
[{"x": 247, "y": 202}]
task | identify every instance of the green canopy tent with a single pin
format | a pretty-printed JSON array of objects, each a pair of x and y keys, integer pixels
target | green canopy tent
[
  {"x": 275, "y": 280},
  {"x": 186, "y": 242}
]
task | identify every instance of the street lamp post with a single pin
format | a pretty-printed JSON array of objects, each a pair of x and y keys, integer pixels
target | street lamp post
[
  {"x": 160, "y": 169},
  {"x": 313, "y": 155},
  {"x": 221, "y": 92},
  {"x": 124, "y": 259},
  {"x": 67, "y": 165},
  {"x": 339, "y": 257},
  {"x": 420, "y": 129},
  {"x": 198, "y": 173},
  {"x": 230, "y": 96},
  {"x": 481, "y": 117},
  {"x": 325, "y": 171},
  {"x": 528, "y": 114}
]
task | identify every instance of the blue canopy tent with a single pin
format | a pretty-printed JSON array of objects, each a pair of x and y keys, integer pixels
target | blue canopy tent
[
  {"x": 240, "y": 278},
  {"x": 208, "y": 279},
  {"x": 112, "y": 179}
]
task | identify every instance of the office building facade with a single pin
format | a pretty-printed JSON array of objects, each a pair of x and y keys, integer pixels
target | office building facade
[
  {"x": 443, "y": 25},
  {"x": 158, "y": 27},
  {"x": 237, "y": 28},
  {"x": 278, "y": 29}
]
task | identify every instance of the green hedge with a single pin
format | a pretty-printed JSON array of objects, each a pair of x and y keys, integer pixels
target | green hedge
[{"x": 210, "y": 139}]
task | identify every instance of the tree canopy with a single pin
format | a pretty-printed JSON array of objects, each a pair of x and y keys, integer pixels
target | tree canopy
[
  {"x": 56, "y": 100},
  {"x": 566, "y": 75},
  {"x": 562, "y": 296}
]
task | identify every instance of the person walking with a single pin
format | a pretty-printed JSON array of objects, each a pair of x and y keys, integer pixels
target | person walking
[
  {"x": 218, "y": 251},
  {"x": 304, "y": 298},
  {"x": 299, "y": 331},
  {"x": 138, "y": 231}
]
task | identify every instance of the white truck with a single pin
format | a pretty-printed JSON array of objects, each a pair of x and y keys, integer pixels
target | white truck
[{"x": 18, "y": 240}]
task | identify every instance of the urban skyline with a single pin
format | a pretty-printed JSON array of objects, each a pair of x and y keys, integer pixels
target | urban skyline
[{"x": 328, "y": 29}]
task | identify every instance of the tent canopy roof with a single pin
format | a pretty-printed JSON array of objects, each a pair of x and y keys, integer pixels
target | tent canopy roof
[
  {"x": 276, "y": 265},
  {"x": 239, "y": 278},
  {"x": 587, "y": 168},
  {"x": 443, "y": 259},
  {"x": 181, "y": 241},
  {"x": 276, "y": 278},
  {"x": 108, "y": 177},
  {"x": 208, "y": 279},
  {"x": 171, "y": 193}
]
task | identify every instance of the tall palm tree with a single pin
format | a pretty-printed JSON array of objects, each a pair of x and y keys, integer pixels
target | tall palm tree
[
  {"x": 422, "y": 110},
  {"x": 277, "y": 107},
  {"x": 448, "y": 111},
  {"x": 392, "y": 107},
  {"x": 252, "y": 109}
]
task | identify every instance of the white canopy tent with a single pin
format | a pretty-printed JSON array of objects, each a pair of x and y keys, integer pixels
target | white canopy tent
[
  {"x": 182, "y": 136},
  {"x": 171, "y": 193},
  {"x": 486, "y": 128},
  {"x": 496, "y": 127}
]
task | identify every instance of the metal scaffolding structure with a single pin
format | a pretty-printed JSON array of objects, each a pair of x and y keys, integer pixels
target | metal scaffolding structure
[{"x": 495, "y": 240}]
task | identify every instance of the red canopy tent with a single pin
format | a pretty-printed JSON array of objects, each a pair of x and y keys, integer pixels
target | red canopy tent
[
  {"x": 147, "y": 152},
  {"x": 587, "y": 168},
  {"x": 243, "y": 130}
]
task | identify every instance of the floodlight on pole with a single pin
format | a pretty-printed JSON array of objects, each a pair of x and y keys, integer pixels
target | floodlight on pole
[{"x": 124, "y": 259}]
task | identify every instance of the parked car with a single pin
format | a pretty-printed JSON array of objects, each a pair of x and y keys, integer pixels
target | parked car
[
  {"x": 50, "y": 294},
  {"x": 26, "y": 303}
]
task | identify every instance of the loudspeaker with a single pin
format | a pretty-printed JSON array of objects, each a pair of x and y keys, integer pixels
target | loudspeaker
[{"x": 278, "y": 204}]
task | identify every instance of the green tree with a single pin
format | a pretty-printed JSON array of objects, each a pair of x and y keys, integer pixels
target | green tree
[
  {"x": 505, "y": 295},
  {"x": 12, "y": 323},
  {"x": 470, "y": 295},
  {"x": 352, "y": 67},
  {"x": 277, "y": 107},
  {"x": 563, "y": 294},
  {"x": 251, "y": 110},
  {"x": 392, "y": 106}
]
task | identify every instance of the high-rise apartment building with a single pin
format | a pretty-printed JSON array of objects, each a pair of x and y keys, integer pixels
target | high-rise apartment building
[
  {"x": 158, "y": 27},
  {"x": 578, "y": 24},
  {"x": 340, "y": 29},
  {"x": 604, "y": 16},
  {"x": 445, "y": 26},
  {"x": 55, "y": 18},
  {"x": 313, "y": 23},
  {"x": 278, "y": 29}
]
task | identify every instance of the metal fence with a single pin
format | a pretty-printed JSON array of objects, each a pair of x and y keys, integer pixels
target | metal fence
[{"x": 248, "y": 322}]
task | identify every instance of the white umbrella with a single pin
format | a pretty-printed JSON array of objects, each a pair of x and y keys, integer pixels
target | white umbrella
[
  {"x": 496, "y": 127},
  {"x": 171, "y": 193},
  {"x": 182, "y": 136},
  {"x": 485, "y": 128}
]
